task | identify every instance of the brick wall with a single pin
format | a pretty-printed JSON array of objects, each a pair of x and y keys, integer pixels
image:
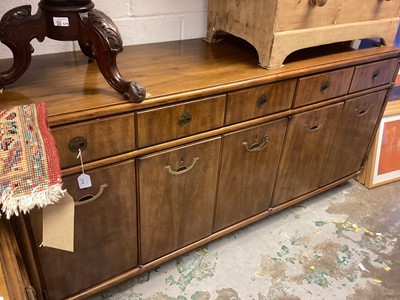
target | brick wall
[{"x": 139, "y": 22}]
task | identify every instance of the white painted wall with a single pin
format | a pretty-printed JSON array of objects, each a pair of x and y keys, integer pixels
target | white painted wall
[{"x": 139, "y": 22}]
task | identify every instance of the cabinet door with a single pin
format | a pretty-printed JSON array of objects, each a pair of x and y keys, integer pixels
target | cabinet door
[
  {"x": 249, "y": 164},
  {"x": 306, "y": 150},
  {"x": 354, "y": 133},
  {"x": 105, "y": 239},
  {"x": 177, "y": 197}
]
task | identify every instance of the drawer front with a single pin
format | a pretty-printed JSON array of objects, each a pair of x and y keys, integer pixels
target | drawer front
[
  {"x": 259, "y": 101},
  {"x": 177, "y": 197},
  {"x": 304, "y": 15},
  {"x": 176, "y": 121},
  {"x": 324, "y": 86},
  {"x": 105, "y": 238},
  {"x": 293, "y": 15},
  {"x": 98, "y": 139},
  {"x": 373, "y": 74},
  {"x": 361, "y": 10}
]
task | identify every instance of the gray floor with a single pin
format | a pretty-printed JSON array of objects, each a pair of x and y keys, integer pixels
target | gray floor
[{"x": 342, "y": 244}]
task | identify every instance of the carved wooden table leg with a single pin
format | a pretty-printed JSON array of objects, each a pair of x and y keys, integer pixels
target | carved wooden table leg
[
  {"x": 66, "y": 20},
  {"x": 17, "y": 28},
  {"x": 99, "y": 37}
]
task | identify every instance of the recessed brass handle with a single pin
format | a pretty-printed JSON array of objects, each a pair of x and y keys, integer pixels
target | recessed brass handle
[
  {"x": 262, "y": 101},
  {"x": 375, "y": 74},
  {"x": 314, "y": 128},
  {"x": 76, "y": 143},
  {"x": 324, "y": 86},
  {"x": 362, "y": 112},
  {"x": 185, "y": 119},
  {"x": 181, "y": 170},
  {"x": 318, "y": 2},
  {"x": 90, "y": 198},
  {"x": 257, "y": 146}
]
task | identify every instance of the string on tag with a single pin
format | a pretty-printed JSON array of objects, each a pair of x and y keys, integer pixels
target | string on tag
[{"x": 81, "y": 158}]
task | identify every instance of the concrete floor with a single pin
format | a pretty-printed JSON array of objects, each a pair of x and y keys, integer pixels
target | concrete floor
[{"x": 342, "y": 244}]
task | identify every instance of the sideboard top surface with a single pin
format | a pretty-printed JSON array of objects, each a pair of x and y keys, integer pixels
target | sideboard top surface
[{"x": 173, "y": 71}]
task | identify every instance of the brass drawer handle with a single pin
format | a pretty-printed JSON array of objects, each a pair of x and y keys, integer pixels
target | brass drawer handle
[
  {"x": 362, "y": 112},
  {"x": 257, "y": 146},
  {"x": 315, "y": 127},
  {"x": 324, "y": 87},
  {"x": 76, "y": 143},
  {"x": 181, "y": 170},
  {"x": 262, "y": 101},
  {"x": 185, "y": 119},
  {"x": 90, "y": 198},
  {"x": 375, "y": 74},
  {"x": 318, "y": 2}
]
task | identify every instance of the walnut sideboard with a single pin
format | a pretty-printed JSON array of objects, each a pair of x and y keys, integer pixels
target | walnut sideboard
[{"x": 218, "y": 143}]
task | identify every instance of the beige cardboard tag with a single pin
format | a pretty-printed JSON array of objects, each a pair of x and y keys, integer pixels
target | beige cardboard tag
[{"x": 58, "y": 224}]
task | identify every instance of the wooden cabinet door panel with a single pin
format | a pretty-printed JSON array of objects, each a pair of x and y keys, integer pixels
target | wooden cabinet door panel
[
  {"x": 306, "y": 149},
  {"x": 249, "y": 165},
  {"x": 177, "y": 197},
  {"x": 105, "y": 239},
  {"x": 354, "y": 133}
]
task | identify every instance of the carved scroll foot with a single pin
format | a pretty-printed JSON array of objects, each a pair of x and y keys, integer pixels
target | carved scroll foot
[
  {"x": 100, "y": 39},
  {"x": 17, "y": 28}
]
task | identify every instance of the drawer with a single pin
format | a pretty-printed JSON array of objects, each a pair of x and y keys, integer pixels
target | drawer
[
  {"x": 304, "y": 15},
  {"x": 323, "y": 86},
  {"x": 259, "y": 101},
  {"x": 98, "y": 138},
  {"x": 176, "y": 121},
  {"x": 105, "y": 233},
  {"x": 373, "y": 74}
]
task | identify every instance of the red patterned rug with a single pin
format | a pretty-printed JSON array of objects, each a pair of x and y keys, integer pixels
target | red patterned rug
[{"x": 30, "y": 172}]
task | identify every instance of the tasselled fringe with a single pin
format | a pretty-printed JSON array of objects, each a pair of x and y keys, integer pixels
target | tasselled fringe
[{"x": 14, "y": 205}]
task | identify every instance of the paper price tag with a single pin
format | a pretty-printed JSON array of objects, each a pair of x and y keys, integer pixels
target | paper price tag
[
  {"x": 61, "y": 21},
  {"x": 84, "y": 181}
]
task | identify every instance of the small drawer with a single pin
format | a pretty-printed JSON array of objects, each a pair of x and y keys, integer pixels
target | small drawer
[
  {"x": 373, "y": 74},
  {"x": 316, "y": 88},
  {"x": 97, "y": 139},
  {"x": 260, "y": 101},
  {"x": 176, "y": 121}
]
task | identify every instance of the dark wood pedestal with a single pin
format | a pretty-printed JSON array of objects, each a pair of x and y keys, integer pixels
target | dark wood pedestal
[{"x": 66, "y": 20}]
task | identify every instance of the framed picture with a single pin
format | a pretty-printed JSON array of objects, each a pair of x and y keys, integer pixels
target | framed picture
[{"x": 383, "y": 163}]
